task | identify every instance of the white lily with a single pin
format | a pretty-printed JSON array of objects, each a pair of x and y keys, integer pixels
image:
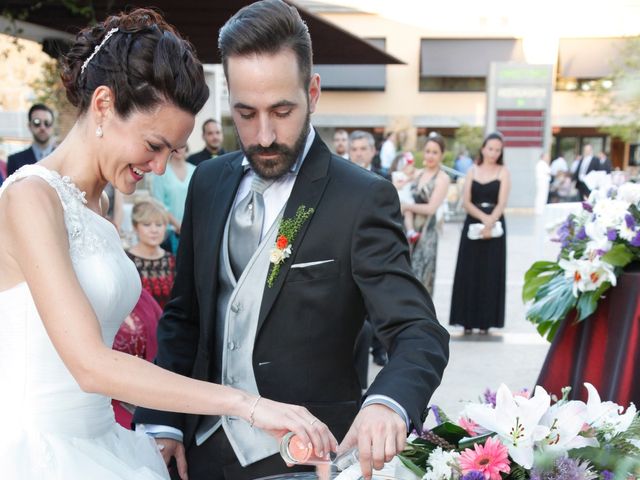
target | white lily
[
  {"x": 607, "y": 416},
  {"x": 587, "y": 274},
  {"x": 515, "y": 420},
  {"x": 566, "y": 421}
]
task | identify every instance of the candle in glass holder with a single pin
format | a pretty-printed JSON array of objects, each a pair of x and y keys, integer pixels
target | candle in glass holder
[{"x": 294, "y": 451}]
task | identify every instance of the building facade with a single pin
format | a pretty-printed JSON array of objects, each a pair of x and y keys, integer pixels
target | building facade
[{"x": 448, "y": 54}]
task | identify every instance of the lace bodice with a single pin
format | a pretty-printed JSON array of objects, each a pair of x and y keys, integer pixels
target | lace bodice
[{"x": 39, "y": 390}]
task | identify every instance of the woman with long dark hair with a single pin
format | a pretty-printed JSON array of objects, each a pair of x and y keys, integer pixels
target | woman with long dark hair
[{"x": 478, "y": 299}]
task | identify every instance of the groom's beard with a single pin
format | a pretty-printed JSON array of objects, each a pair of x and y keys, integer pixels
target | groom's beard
[{"x": 286, "y": 156}]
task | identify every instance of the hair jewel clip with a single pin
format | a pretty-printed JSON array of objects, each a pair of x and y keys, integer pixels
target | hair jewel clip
[{"x": 97, "y": 48}]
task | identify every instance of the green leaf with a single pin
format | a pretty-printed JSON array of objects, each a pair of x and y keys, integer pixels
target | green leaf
[
  {"x": 553, "y": 330},
  {"x": 618, "y": 256},
  {"x": 588, "y": 301},
  {"x": 451, "y": 432},
  {"x": 538, "y": 275},
  {"x": 450, "y": 428},
  {"x": 412, "y": 466},
  {"x": 540, "y": 267},
  {"x": 552, "y": 304},
  {"x": 470, "y": 441}
]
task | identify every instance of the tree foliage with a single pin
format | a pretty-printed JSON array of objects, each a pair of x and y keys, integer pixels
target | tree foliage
[
  {"x": 48, "y": 88},
  {"x": 618, "y": 96},
  {"x": 469, "y": 138}
]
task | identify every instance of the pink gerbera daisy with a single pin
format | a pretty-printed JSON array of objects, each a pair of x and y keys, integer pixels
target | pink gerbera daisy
[
  {"x": 489, "y": 459},
  {"x": 469, "y": 425}
]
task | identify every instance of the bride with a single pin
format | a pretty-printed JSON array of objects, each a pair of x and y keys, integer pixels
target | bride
[{"x": 66, "y": 284}]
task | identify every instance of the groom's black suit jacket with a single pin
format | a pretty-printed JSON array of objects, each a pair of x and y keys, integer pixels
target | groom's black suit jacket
[{"x": 311, "y": 316}]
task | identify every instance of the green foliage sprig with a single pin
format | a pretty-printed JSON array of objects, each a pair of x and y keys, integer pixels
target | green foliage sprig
[{"x": 287, "y": 233}]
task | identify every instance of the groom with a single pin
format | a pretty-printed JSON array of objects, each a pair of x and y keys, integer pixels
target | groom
[{"x": 280, "y": 316}]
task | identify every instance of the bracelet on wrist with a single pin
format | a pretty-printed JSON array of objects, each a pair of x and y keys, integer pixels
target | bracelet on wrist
[{"x": 253, "y": 411}]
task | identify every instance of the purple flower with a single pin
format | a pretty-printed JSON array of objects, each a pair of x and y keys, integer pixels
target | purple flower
[
  {"x": 607, "y": 475},
  {"x": 635, "y": 242},
  {"x": 565, "y": 232},
  {"x": 587, "y": 206},
  {"x": 490, "y": 397},
  {"x": 630, "y": 221},
  {"x": 581, "y": 234},
  {"x": 612, "y": 234},
  {"x": 436, "y": 413},
  {"x": 565, "y": 468},
  {"x": 474, "y": 475}
]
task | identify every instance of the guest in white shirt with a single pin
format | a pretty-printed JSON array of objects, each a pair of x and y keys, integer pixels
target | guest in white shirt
[
  {"x": 542, "y": 183},
  {"x": 558, "y": 165},
  {"x": 581, "y": 168},
  {"x": 388, "y": 152}
]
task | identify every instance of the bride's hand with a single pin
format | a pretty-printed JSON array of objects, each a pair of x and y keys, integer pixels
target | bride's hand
[{"x": 279, "y": 418}]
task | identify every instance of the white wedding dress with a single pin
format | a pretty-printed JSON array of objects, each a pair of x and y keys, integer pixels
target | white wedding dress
[{"x": 50, "y": 428}]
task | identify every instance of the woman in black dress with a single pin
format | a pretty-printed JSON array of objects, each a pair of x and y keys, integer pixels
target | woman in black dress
[{"x": 478, "y": 299}]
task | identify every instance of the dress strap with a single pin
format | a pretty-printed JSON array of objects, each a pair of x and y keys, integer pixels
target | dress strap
[{"x": 68, "y": 193}]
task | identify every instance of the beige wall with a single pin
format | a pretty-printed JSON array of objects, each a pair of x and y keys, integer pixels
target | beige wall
[
  {"x": 402, "y": 105},
  {"x": 402, "y": 101}
]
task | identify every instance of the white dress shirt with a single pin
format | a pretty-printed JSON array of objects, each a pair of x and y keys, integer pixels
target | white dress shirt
[
  {"x": 586, "y": 161},
  {"x": 276, "y": 196}
]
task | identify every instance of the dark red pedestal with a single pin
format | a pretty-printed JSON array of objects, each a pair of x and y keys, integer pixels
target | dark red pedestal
[{"x": 603, "y": 350}]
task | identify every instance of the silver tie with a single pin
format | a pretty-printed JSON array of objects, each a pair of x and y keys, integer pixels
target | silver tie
[{"x": 245, "y": 225}]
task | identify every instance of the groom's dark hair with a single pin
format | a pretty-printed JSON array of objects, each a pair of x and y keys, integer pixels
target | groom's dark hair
[{"x": 267, "y": 27}]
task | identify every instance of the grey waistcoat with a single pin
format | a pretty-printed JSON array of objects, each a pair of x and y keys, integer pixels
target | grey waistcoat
[{"x": 238, "y": 308}]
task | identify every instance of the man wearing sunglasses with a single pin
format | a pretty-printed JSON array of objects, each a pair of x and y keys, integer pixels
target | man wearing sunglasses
[{"x": 41, "y": 127}]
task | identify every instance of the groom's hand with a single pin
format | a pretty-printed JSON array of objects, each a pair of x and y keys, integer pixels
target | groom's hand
[
  {"x": 172, "y": 448},
  {"x": 379, "y": 433}
]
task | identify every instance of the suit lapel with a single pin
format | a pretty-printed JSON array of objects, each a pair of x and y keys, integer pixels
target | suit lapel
[
  {"x": 224, "y": 194},
  {"x": 307, "y": 190}
]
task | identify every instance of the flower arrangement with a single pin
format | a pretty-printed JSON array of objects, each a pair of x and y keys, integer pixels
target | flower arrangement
[
  {"x": 522, "y": 437},
  {"x": 596, "y": 244},
  {"x": 287, "y": 233}
]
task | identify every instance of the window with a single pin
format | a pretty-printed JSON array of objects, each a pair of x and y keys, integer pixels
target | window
[
  {"x": 354, "y": 77},
  {"x": 462, "y": 65},
  {"x": 583, "y": 62}
]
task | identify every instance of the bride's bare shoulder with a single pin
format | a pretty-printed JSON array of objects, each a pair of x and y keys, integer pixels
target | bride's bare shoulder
[
  {"x": 29, "y": 208},
  {"x": 27, "y": 195},
  {"x": 31, "y": 215}
]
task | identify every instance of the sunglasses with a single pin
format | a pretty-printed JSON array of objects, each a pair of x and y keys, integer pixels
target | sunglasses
[{"x": 36, "y": 122}]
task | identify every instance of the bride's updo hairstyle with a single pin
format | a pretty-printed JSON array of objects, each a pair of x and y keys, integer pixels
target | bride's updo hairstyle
[{"x": 144, "y": 62}]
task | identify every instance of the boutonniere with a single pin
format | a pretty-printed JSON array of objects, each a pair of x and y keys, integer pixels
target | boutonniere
[{"x": 287, "y": 232}]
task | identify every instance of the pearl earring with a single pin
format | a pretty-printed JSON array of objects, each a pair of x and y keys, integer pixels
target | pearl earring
[{"x": 99, "y": 132}]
